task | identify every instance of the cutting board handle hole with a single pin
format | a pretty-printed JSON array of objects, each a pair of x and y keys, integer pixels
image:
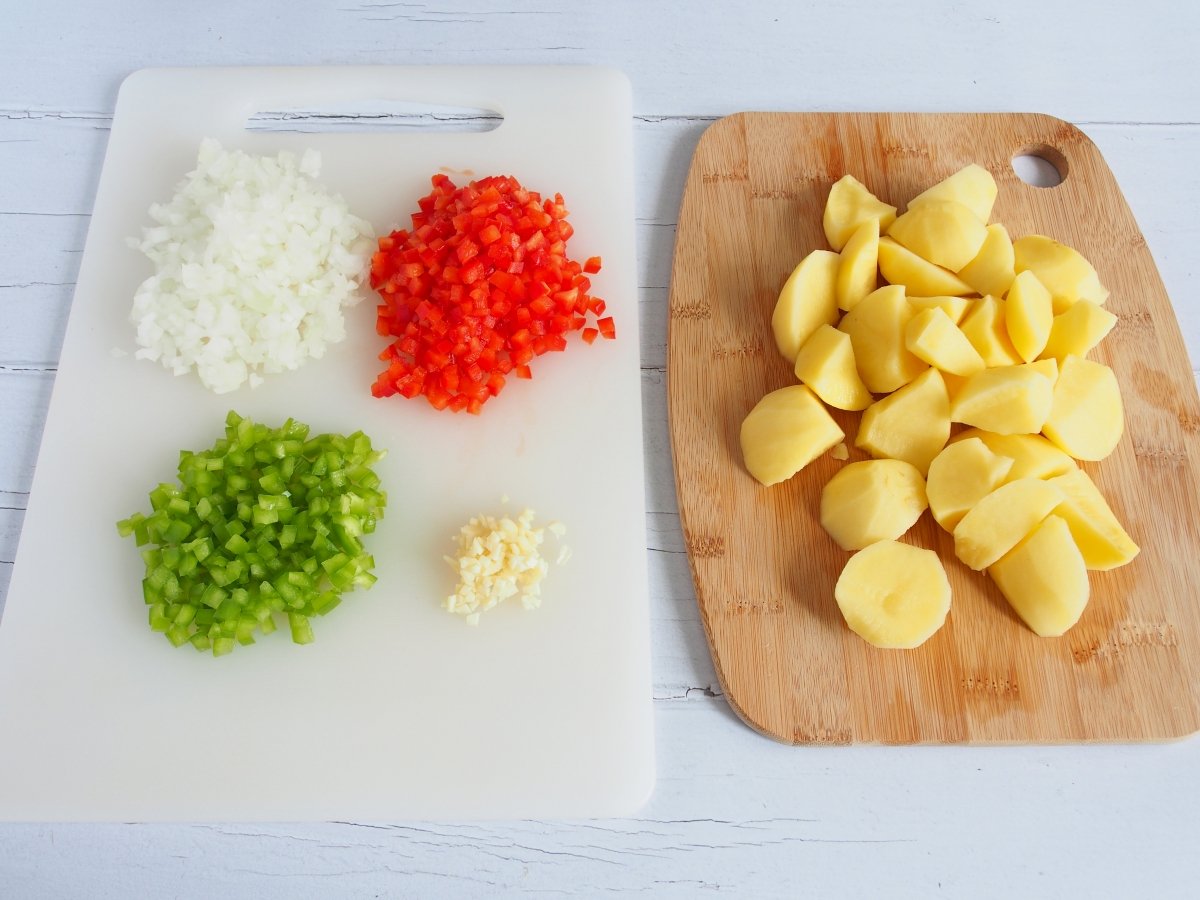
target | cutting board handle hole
[
  {"x": 376, "y": 116},
  {"x": 1040, "y": 165}
]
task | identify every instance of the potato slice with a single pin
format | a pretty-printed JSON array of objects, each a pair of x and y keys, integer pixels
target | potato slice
[
  {"x": 999, "y": 521},
  {"x": 973, "y": 186},
  {"x": 1062, "y": 270},
  {"x": 894, "y": 596},
  {"x": 932, "y": 337},
  {"x": 1028, "y": 315},
  {"x": 860, "y": 258},
  {"x": 1101, "y": 538},
  {"x": 1033, "y": 456},
  {"x": 985, "y": 328},
  {"x": 920, "y": 278},
  {"x": 1007, "y": 400},
  {"x": 849, "y": 205},
  {"x": 870, "y": 501},
  {"x": 993, "y": 269},
  {"x": 807, "y": 301},
  {"x": 954, "y": 307},
  {"x": 913, "y": 424},
  {"x": 1044, "y": 579},
  {"x": 785, "y": 431},
  {"x": 826, "y": 364},
  {"x": 1086, "y": 417},
  {"x": 876, "y": 328},
  {"x": 943, "y": 232},
  {"x": 962, "y": 475},
  {"x": 1079, "y": 329}
]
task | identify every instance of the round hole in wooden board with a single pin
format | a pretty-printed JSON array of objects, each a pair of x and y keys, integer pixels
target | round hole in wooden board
[{"x": 1041, "y": 166}]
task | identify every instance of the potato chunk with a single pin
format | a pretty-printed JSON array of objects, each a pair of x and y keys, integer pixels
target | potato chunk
[
  {"x": 856, "y": 272},
  {"x": 995, "y": 524},
  {"x": 807, "y": 302},
  {"x": 954, "y": 307},
  {"x": 876, "y": 328},
  {"x": 1087, "y": 417},
  {"x": 993, "y": 268},
  {"x": 1079, "y": 329},
  {"x": 913, "y": 424},
  {"x": 932, "y": 337},
  {"x": 894, "y": 596},
  {"x": 870, "y": 501},
  {"x": 1064, "y": 272},
  {"x": 973, "y": 186},
  {"x": 943, "y": 232},
  {"x": 1044, "y": 579},
  {"x": 1033, "y": 456},
  {"x": 1008, "y": 400},
  {"x": 849, "y": 205},
  {"x": 920, "y": 278},
  {"x": 785, "y": 431},
  {"x": 826, "y": 364},
  {"x": 1098, "y": 533},
  {"x": 1028, "y": 315},
  {"x": 985, "y": 328},
  {"x": 962, "y": 475}
]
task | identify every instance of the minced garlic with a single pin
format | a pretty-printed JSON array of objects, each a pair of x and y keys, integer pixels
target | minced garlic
[{"x": 497, "y": 559}]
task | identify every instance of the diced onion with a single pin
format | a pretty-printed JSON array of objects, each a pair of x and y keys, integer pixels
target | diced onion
[{"x": 254, "y": 262}]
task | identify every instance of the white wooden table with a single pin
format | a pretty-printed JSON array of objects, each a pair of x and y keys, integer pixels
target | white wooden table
[{"x": 733, "y": 812}]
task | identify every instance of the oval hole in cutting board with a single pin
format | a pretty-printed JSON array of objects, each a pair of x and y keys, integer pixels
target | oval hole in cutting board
[
  {"x": 376, "y": 116},
  {"x": 1040, "y": 166}
]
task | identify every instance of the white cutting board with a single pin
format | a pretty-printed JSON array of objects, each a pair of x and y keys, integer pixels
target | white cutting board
[{"x": 399, "y": 709}]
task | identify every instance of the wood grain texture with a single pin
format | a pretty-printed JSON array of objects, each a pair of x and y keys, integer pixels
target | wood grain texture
[{"x": 764, "y": 569}]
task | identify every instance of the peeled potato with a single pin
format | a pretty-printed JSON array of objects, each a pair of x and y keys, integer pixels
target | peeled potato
[
  {"x": 860, "y": 258},
  {"x": 1064, "y": 272},
  {"x": 1008, "y": 400},
  {"x": 1086, "y": 417},
  {"x": 920, "y": 278},
  {"x": 943, "y": 232},
  {"x": 1079, "y": 329},
  {"x": 985, "y": 328},
  {"x": 1033, "y": 456},
  {"x": 1101, "y": 538},
  {"x": 876, "y": 328},
  {"x": 1028, "y": 315},
  {"x": 785, "y": 431},
  {"x": 894, "y": 596},
  {"x": 870, "y": 501},
  {"x": 1044, "y": 579},
  {"x": 973, "y": 186},
  {"x": 806, "y": 302},
  {"x": 960, "y": 476},
  {"x": 954, "y": 307},
  {"x": 849, "y": 205},
  {"x": 826, "y": 364},
  {"x": 993, "y": 268},
  {"x": 995, "y": 524},
  {"x": 932, "y": 337},
  {"x": 912, "y": 424}
]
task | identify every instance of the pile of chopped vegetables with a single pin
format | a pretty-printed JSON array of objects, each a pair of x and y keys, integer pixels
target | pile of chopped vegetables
[
  {"x": 477, "y": 288},
  {"x": 253, "y": 263},
  {"x": 499, "y": 558},
  {"x": 268, "y": 521}
]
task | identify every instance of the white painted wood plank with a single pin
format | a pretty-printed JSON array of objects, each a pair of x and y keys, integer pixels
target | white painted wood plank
[{"x": 1114, "y": 61}]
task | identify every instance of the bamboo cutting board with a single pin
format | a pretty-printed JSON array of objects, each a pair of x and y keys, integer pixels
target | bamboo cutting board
[{"x": 763, "y": 567}]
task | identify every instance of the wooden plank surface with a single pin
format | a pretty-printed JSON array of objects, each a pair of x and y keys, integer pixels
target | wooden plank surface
[{"x": 763, "y": 567}]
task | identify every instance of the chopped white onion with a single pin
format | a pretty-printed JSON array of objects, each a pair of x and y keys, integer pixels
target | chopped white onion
[{"x": 253, "y": 265}]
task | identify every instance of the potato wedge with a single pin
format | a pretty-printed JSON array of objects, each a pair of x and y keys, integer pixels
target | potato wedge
[
  {"x": 1044, "y": 579},
  {"x": 808, "y": 301},
  {"x": 920, "y": 278},
  {"x": 785, "y": 431},
  {"x": 999, "y": 521},
  {"x": 993, "y": 269},
  {"x": 1101, "y": 538},
  {"x": 856, "y": 276},
  {"x": 1087, "y": 417},
  {"x": 960, "y": 476},
  {"x": 826, "y": 364},
  {"x": 943, "y": 232},
  {"x": 1028, "y": 315},
  {"x": 932, "y": 337},
  {"x": 876, "y": 327},
  {"x": 984, "y": 325},
  {"x": 871, "y": 501},
  {"x": 913, "y": 424},
  {"x": 849, "y": 205},
  {"x": 1078, "y": 330},
  {"x": 973, "y": 186},
  {"x": 1061, "y": 269},
  {"x": 1006, "y": 400}
]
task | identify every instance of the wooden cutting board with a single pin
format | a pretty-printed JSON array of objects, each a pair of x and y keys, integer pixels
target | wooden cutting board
[
  {"x": 764, "y": 569},
  {"x": 398, "y": 709}
]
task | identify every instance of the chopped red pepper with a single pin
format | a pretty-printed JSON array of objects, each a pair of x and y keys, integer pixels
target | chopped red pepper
[{"x": 479, "y": 287}]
